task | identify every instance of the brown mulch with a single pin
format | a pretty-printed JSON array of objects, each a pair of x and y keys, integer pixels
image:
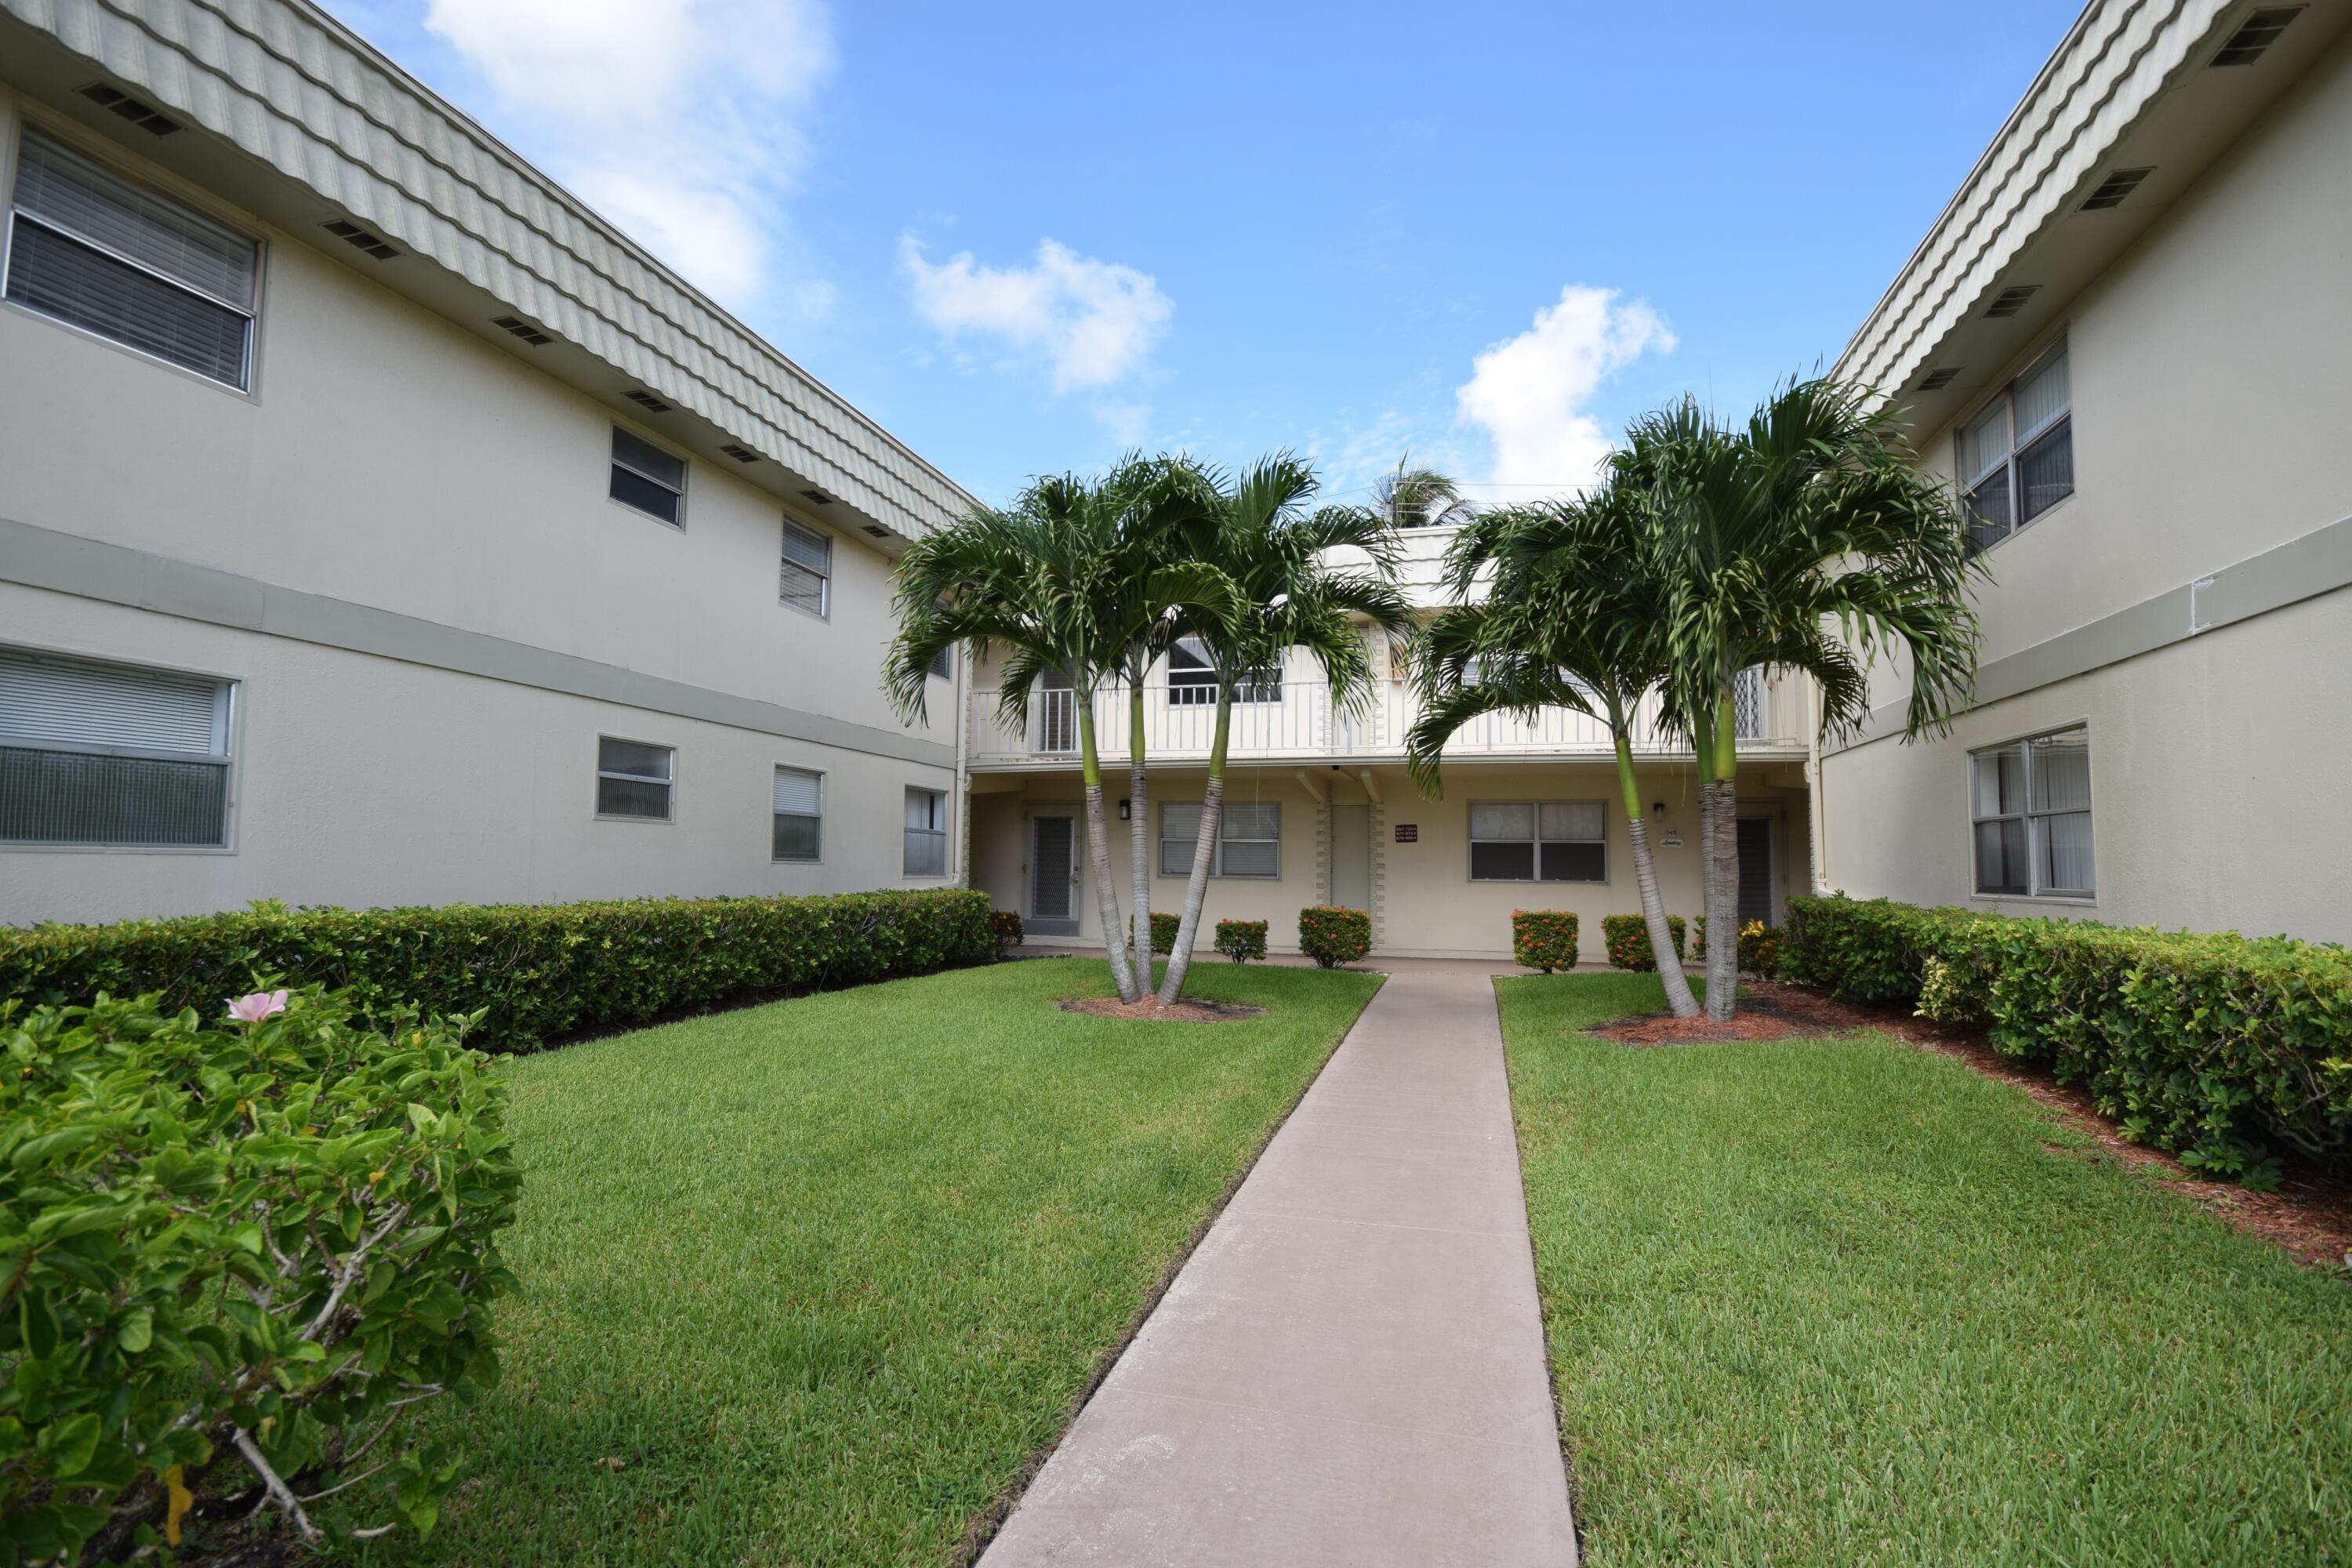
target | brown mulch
[
  {"x": 1148, "y": 1008},
  {"x": 2310, "y": 1216}
]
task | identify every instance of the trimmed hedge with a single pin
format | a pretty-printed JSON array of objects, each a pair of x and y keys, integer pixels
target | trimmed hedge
[
  {"x": 2223, "y": 1049},
  {"x": 1241, "y": 941},
  {"x": 1544, "y": 939},
  {"x": 542, "y": 971},
  {"x": 1759, "y": 947},
  {"x": 237, "y": 1248},
  {"x": 1163, "y": 930},
  {"x": 1627, "y": 937},
  {"x": 1332, "y": 936}
]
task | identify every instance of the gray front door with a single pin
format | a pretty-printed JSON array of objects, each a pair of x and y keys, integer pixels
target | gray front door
[
  {"x": 1755, "y": 869},
  {"x": 1053, "y": 875},
  {"x": 1351, "y": 857}
]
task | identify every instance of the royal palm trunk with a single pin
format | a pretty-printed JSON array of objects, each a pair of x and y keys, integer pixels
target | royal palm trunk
[
  {"x": 1122, "y": 972},
  {"x": 1196, "y": 891},
  {"x": 1719, "y": 809},
  {"x": 1645, "y": 882},
  {"x": 1139, "y": 836}
]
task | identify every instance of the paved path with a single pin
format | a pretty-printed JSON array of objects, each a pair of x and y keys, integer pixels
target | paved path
[{"x": 1350, "y": 1368}]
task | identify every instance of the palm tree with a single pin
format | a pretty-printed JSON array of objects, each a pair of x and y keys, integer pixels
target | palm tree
[
  {"x": 1072, "y": 577},
  {"x": 1807, "y": 539},
  {"x": 1296, "y": 590},
  {"x": 1569, "y": 619},
  {"x": 1419, "y": 497}
]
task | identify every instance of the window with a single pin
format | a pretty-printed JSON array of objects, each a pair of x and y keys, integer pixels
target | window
[
  {"x": 2030, "y": 801},
  {"x": 927, "y": 833},
  {"x": 944, "y": 665},
  {"x": 94, "y": 250},
  {"x": 1544, "y": 841},
  {"x": 800, "y": 815},
  {"x": 2016, "y": 458},
  {"x": 648, "y": 478},
  {"x": 808, "y": 569},
  {"x": 106, "y": 754},
  {"x": 1249, "y": 839},
  {"x": 1192, "y": 680},
  {"x": 633, "y": 779}
]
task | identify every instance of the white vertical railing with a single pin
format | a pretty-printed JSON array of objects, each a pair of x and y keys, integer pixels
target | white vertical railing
[{"x": 1297, "y": 718}]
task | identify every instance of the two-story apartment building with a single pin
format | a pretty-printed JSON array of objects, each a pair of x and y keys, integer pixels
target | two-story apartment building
[
  {"x": 380, "y": 526},
  {"x": 2128, "y": 341},
  {"x": 1319, "y": 809}
]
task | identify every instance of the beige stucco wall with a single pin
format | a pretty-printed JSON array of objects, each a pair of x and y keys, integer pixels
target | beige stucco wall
[
  {"x": 390, "y": 458},
  {"x": 1425, "y": 903},
  {"x": 2218, "y": 787},
  {"x": 2212, "y": 373}
]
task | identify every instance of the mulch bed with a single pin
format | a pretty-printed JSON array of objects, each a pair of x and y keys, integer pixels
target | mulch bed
[
  {"x": 1150, "y": 1009},
  {"x": 2310, "y": 1216}
]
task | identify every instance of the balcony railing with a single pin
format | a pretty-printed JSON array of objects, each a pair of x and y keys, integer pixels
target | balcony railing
[{"x": 1297, "y": 718}]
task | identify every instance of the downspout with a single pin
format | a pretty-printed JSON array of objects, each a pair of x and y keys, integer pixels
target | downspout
[
  {"x": 962, "y": 770},
  {"x": 1816, "y": 809}
]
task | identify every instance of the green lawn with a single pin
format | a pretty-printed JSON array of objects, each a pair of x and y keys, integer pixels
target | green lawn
[
  {"x": 1840, "y": 1301},
  {"x": 825, "y": 1275}
]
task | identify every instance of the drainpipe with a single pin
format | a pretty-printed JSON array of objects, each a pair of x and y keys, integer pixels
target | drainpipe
[
  {"x": 962, "y": 773},
  {"x": 1816, "y": 814}
]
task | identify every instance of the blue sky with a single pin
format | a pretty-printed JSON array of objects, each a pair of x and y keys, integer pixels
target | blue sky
[{"x": 1024, "y": 238}]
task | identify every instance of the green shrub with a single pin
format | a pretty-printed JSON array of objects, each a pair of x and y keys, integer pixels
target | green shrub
[
  {"x": 1759, "y": 947},
  {"x": 1005, "y": 926},
  {"x": 1163, "y": 930},
  {"x": 541, "y": 971},
  {"x": 2223, "y": 1049},
  {"x": 236, "y": 1251},
  {"x": 1242, "y": 941},
  {"x": 1544, "y": 939},
  {"x": 1332, "y": 936},
  {"x": 1627, "y": 937}
]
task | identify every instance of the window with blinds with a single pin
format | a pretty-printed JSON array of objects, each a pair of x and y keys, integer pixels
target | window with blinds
[
  {"x": 96, "y": 251},
  {"x": 800, "y": 815},
  {"x": 647, "y": 478},
  {"x": 927, "y": 833},
  {"x": 808, "y": 569},
  {"x": 2030, "y": 816},
  {"x": 634, "y": 780},
  {"x": 1538, "y": 841},
  {"x": 2016, "y": 458},
  {"x": 96, "y": 753},
  {"x": 1249, "y": 839}
]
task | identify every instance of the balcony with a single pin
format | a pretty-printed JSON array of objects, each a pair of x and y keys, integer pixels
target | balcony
[{"x": 1294, "y": 721}]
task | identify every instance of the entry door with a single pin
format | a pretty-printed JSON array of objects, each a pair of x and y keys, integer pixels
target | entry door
[
  {"x": 1755, "y": 869},
  {"x": 1351, "y": 857},
  {"x": 1053, "y": 876}
]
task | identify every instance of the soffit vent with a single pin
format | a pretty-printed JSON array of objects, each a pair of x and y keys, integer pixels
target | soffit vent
[
  {"x": 353, "y": 235},
  {"x": 878, "y": 533},
  {"x": 140, "y": 112},
  {"x": 522, "y": 330},
  {"x": 1937, "y": 380},
  {"x": 647, "y": 401},
  {"x": 2119, "y": 183},
  {"x": 740, "y": 454},
  {"x": 2010, "y": 301},
  {"x": 818, "y": 497},
  {"x": 2255, "y": 34}
]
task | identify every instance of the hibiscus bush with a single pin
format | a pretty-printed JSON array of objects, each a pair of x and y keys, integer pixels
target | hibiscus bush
[
  {"x": 1627, "y": 938},
  {"x": 239, "y": 1252},
  {"x": 1544, "y": 939},
  {"x": 1241, "y": 941},
  {"x": 1332, "y": 935}
]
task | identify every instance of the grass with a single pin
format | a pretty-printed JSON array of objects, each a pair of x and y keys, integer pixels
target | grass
[
  {"x": 824, "y": 1276},
  {"x": 1846, "y": 1301}
]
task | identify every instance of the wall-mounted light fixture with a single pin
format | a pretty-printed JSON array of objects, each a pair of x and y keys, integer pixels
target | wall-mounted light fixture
[
  {"x": 1127, "y": 811},
  {"x": 1657, "y": 809}
]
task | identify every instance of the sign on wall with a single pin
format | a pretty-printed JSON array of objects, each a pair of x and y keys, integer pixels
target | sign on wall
[{"x": 1408, "y": 832}]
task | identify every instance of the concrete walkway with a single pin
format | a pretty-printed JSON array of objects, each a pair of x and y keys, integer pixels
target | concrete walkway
[{"x": 1350, "y": 1368}]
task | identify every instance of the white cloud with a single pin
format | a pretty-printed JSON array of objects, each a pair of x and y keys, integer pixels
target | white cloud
[
  {"x": 1096, "y": 322},
  {"x": 681, "y": 121},
  {"x": 1531, "y": 392}
]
